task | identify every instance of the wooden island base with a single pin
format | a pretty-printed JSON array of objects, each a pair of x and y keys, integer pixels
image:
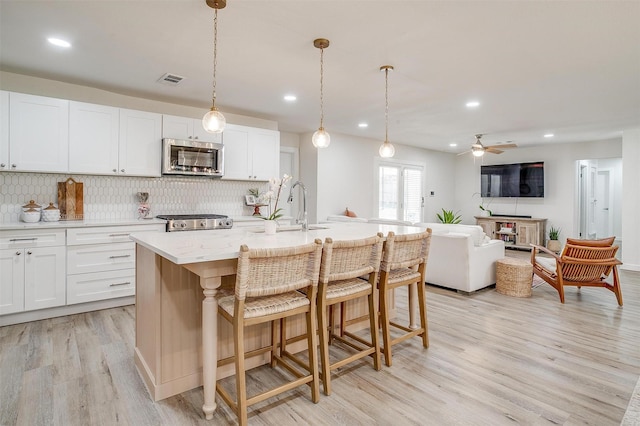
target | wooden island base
[{"x": 169, "y": 317}]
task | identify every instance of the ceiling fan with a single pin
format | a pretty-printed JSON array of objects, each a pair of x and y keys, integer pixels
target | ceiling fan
[{"x": 478, "y": 150}]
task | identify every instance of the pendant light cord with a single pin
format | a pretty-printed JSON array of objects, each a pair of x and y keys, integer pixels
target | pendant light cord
[
  {"x": 215, "y": 55},
  {"x": 386, "y": 105},
  {"x": 321, "y": 87}
]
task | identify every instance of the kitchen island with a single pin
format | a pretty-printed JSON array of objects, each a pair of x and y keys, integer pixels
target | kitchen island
[{"x": 178, "y": 339}]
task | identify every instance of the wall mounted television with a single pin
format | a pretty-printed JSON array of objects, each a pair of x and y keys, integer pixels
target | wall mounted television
[{"x": 512, "y": 180}]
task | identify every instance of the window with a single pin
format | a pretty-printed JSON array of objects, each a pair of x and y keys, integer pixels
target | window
[{"x": 400, "y": 191}]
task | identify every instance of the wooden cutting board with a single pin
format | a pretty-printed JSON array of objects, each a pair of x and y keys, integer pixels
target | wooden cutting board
[{"x": 71, "y": 200}]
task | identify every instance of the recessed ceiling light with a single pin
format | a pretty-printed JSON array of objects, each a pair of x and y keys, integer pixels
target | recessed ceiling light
[
  {"x": 452, "y": 145},
  {"x": 290, "y": 98},
  {"x": 473, "y": 104},
  {"x": 363, "y": 125},
  {"x": 58, "y": 42},
  {"x": 549, "y": 135}
]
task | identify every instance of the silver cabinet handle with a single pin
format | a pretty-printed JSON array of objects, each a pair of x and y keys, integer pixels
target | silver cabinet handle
[
  {"x": 117, "y": 284},
  {"x": 29, "y": 252},
  {"x": 122, "y": 170},
  {"x": 13, "y": 166},
  {"x": 119, "y": 256},
  {"x": 18, "y": 253},
  {"x": 115, "y": 170},
  {"x": 119, "y": 235},
  {"x": 2, "y": 165},
  {"x": 13, "y": 240}
]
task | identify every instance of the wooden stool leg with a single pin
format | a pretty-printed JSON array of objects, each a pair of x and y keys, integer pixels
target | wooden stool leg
[
  {"x": 241, "y": 380},
  {"x": 424, "y": 323},
  {"x": 386, "y": 333},
  {"x": 324, "y": 336}
]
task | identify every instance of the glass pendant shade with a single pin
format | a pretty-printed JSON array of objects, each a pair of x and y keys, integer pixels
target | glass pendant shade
[
  {"x": 214, "y": 121},
  {"x": 321, "y": 138},
  {"x": 477, "y": 152},
  {"x": 387, "y": 150}
]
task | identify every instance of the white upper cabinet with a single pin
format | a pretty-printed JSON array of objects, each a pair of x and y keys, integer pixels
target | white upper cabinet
[
  {"x": 93, "y": 138},
  {"x": 187, "y": 128},
  {"x": 140, "y": 145},
  {"x": 250, "y": 153},
  {"x": 38, "y": 133},
  {"x": 4, "y": 130}
]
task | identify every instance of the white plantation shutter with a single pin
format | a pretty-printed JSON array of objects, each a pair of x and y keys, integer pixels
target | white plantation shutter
[{"x": 400, "y": 192}]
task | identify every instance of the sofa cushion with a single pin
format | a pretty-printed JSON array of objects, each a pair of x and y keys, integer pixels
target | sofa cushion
[{"x": 475, "y": 231}]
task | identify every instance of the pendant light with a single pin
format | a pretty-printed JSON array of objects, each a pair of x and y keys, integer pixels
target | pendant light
[
  {"x": 321, "y": 138},
  {"x": 386, "y": 149},
  {"x": 214, "y": 121}
]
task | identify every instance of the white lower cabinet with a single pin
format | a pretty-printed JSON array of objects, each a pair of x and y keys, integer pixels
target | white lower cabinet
[
  {"x": 32, "y": 270},
  {"x": 101, "y": 262}
]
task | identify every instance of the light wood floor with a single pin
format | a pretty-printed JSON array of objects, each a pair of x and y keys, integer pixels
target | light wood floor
[{"x": 493, "y": 360}]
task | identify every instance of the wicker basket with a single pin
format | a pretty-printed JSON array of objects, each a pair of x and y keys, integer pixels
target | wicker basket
[{"x": 513, "y": 277}]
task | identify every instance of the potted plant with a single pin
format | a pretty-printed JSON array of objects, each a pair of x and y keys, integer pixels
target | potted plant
[
  {"x": 553, "y": 243},
  {"x": 484, "y": 211},
  {"x": 448, "y": 216}
]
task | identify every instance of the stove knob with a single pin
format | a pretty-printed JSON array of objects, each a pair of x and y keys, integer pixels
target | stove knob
[
  {"x": 203, "y": 224},
  {"x": 183, "y": 225}
]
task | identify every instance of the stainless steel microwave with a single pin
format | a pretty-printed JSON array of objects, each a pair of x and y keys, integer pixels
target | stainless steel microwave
[{"x": 192, "y": 158}]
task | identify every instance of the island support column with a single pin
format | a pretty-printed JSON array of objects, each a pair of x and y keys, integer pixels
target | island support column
[{"x": 209, "y": 343}]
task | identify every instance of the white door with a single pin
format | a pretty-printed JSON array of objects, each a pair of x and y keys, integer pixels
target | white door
[
  {"x": 289, "y": 165},
  {"x": 603, "y": 204},
  {"x": 592, "y": 185}
]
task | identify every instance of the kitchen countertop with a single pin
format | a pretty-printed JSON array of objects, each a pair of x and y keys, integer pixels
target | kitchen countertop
[
  {"x": 65, "y": 224},
  {"x": 221, "y": 244}
]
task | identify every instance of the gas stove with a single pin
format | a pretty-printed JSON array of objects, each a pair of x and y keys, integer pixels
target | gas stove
[{"x": 195, "y": 222}]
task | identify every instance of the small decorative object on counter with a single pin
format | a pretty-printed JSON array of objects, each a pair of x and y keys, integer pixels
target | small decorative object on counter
[
  {"x": 31, "y": 212},
  {"x": 270, "y": 227},
  {"x": 144, "y": 211},
  {"x": 275, "y": 188},
  {"x": 51, "y": 213}
]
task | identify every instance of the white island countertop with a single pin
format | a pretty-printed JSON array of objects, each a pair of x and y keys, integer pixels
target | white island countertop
[{"x": 221, "y": 244}]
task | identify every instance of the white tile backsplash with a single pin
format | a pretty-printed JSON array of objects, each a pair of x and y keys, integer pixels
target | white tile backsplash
[{"x": 114, "y": 197}]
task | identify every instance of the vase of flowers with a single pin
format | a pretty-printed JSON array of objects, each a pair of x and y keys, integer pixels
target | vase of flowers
[{"x": 271, "y": 198}]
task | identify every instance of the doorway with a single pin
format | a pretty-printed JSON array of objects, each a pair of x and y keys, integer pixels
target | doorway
[
  {"x": 289, "y": 165},
  {"x": 598, "y": 201}
]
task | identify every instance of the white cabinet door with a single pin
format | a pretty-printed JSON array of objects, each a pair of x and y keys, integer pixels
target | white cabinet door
[
  {"x": 187, "y": 128},
  {"x": 44, "y": 277},
  {"x": 11, "y": 281},
  {"x": 175, "y": 127},
  {"x": 251, "y": 153},
  {"x": 4, "y": 130},
  {"x": 38, "y": 133},
  {"x": 236, "y": 153},
  {"x": 93, "y": 138},
  {"x": 140, "y": 146},
  {"x": 264, "y": 146}
]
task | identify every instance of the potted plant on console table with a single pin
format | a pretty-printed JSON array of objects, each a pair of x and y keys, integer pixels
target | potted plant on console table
[{"x": 553, "y": 243}]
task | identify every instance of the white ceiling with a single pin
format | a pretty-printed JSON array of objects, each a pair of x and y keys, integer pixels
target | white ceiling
[{"x": 571, "y": 68}]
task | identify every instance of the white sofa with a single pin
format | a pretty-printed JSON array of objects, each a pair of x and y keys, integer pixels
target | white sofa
[{"x": 461, "y": 257}]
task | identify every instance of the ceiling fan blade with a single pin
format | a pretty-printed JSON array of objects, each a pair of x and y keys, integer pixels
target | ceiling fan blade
[
  {"x": 493, "y": 150},
  {"x": 466, "y": 152},
  {"x": 502, "y": 146}
]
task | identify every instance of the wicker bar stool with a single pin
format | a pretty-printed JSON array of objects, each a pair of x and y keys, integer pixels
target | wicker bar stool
[
  {"x": 514, "y": 277},
  {"x": 343, "y": 265},
  {"x": 266, "y": 290},
  {"x": 404, "y": 259}
]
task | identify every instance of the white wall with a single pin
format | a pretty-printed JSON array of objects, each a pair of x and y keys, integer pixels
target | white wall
[
  {"x": 343, "y": 175},
  {"x": 631, "y": 200},
  {"x": 558, "y": 205}
]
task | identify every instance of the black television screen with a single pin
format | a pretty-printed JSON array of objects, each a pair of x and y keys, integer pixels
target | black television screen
[{"x": 512, "y": 180}]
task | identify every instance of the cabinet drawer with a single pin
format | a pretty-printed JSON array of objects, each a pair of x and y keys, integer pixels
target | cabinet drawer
[
  {"x": 83, "y": 288},
  {"x": 109, "y": 234},
  {"x": 100, "y": 257},
  {"x": 31, "y": 238}
]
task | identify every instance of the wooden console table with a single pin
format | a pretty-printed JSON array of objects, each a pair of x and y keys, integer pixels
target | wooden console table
[{"x": 516, "y": 232}]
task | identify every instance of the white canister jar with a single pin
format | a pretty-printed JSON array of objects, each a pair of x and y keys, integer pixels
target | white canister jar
[
  {"x": 51, "y": 213},
  {"x": 30, "y": 216}
]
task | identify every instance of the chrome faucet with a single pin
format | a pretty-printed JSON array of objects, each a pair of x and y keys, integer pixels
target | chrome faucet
[{"x": 304, "y": 221}]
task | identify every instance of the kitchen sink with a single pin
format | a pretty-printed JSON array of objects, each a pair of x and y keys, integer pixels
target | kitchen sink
[{"x": 291, "y": 228}]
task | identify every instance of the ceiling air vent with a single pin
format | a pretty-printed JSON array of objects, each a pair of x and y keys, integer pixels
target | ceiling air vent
[{"x": 170, "y": 79}]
